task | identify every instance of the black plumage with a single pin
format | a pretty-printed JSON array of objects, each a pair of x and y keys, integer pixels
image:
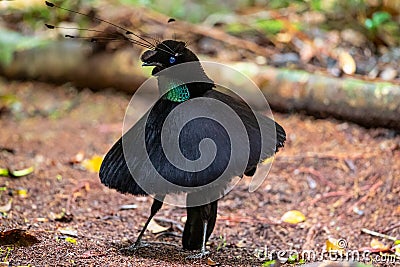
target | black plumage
[{"x": 125, "y": 170}]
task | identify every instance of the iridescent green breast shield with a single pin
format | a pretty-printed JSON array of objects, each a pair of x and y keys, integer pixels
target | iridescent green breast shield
[{"x": 178, "y": 93}]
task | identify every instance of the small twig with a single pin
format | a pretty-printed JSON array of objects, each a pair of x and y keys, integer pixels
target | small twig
[
  {"x": 373, "y": 233},
  {"x": 310, "y": 236},
  {"x": 326, "y": 156},
  {"x": 163, "y": 243},
  {"x": 391, "y": 227},
  {"x": 327, "y": 195},
  {"x": 371, "y": 191},
  {"x": 247, "y": 220},
  {"x": 235, "y": 219},
  {"x": 317, "y": 175},
  {"x": 72, "y": 197},
  {"x": 167, "y": 234},
  {"x": 176, "y": 223}
]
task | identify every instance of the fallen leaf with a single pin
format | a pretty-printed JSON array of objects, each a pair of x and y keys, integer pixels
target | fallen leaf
[
  {"x": 293, "y": 217},
  {"x": 388, "y": 74},
  {"x": 16, "y": 174},
  {"x": 184, "y": 219},
  {"x": 78, "y": 158},
  {"x": 61, "y": 217},
  {"x": 376, "y": 244},
  {"x": 41, "y": 219},
  {"x": 347, "y": 63},
  {"x": 397, "y": 211},
  {"x": 155, "y": 228},
  {"x": 68, "y": 231},
  {"x": 65, "y": 217},
  {"x": 284, "y": 37},
  {"x": 93, "y": 164},
  {"x": 23, "y": 193},
  {"x": 333, "y": 244},
  {"x": 17, "y": 237},
  {"x": 397, "y": 250},
  {"x": 7, "y": 207},
  {"x": 22, "y": 172},
  {"x": 211, "y": 262},
  {"x": 3, "y": 172},
  {"x": 307, "y": 52},
  {"x": 71, "y": 240},
  {"x": 357, "y": 211},
  {"x": 241, "y": 243}
]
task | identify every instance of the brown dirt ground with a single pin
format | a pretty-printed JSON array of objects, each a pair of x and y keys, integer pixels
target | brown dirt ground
[{"x": 341, "y": 176}]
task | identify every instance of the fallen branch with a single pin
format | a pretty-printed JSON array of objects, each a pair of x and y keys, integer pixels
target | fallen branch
[
  {"x": 372, "y": 104},
  {"x": 71, "y": 61},
  {"x": 373, "y": 233}
]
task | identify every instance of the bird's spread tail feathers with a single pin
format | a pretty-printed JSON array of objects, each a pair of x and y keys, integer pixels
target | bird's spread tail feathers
[{"x": 114, "y": 172}]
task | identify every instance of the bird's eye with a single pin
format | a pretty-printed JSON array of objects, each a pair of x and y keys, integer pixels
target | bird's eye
[{"x": 172, "y": 60}]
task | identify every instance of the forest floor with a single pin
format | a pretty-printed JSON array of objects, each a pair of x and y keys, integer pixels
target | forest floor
[{"x": 341, "y": 176}]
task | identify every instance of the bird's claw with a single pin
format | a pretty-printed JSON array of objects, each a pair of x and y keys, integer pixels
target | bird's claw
[
  {"x": 134, "y": 247},
  {"x": 198, "y": 255}
]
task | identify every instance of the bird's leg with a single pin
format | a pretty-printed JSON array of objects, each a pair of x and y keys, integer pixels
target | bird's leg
[
  {"x": 203, "y": 251},
  {"x": 155, "y": 207},
  {"x": 203, "y": 246}
]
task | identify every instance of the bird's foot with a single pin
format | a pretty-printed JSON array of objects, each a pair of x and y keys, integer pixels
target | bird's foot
[
  {"x": 200, "y": 255},
  {"x": 135, "y": 247}
]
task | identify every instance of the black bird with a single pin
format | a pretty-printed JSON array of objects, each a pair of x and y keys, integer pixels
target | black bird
[
  {"x": 116, "y": 173},
  {"x": 138, "y": 162}
]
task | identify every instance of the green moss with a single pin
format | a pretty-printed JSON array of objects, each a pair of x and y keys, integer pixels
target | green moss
[{"x": 271, "y": 26}]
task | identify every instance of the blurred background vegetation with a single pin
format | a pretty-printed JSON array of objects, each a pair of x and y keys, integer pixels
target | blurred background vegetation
[
  {"x": 369, "y": 23},
  {"x": 370, "y": 16}
]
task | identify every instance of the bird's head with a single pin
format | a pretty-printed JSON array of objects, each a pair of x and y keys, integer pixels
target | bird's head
[{"x": 167, "y": 54}]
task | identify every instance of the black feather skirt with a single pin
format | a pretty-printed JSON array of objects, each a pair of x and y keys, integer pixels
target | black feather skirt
[{"x": 194, "y": 145}]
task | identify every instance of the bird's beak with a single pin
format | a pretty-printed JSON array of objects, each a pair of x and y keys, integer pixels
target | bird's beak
[
  {"x": 146, "y": 59},
  {"x": 156, "y": 64}
]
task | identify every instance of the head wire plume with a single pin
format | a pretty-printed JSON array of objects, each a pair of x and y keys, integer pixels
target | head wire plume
[
  {"x": 172, "y": 20},
  {"x": 141, "y": 41}
]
